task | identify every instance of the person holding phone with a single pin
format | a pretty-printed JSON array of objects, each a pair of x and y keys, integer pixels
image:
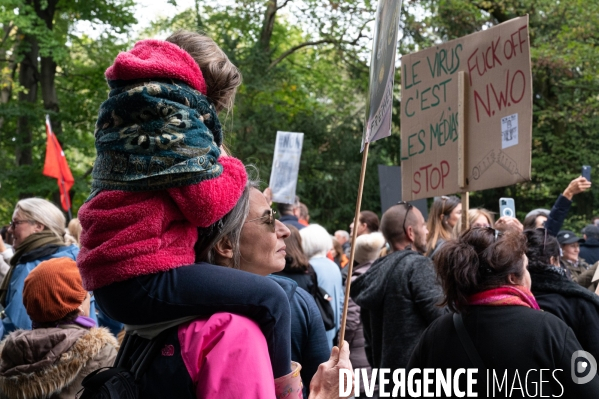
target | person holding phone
[{"x": 562, "y": 205}]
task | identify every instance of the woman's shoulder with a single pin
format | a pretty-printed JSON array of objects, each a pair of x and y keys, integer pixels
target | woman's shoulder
[
  {"x": 218, "y": 324},
  {"x": 69, "y": 251}
]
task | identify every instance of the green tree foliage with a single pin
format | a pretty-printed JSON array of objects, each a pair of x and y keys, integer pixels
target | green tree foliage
[
  {"x": 305, "y": 69},
  {"x": 47, "y": 68}
]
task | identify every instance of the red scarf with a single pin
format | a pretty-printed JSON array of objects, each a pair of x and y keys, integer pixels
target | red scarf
[{"x": 507, "y": 295}]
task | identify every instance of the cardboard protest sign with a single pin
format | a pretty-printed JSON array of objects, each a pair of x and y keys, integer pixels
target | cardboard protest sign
[
  {"x": 498, "y": 117},
  {"x": 390, "y": 186},
  {"x": 285, "y": 166},
  {"x": 382, "y": 71}
]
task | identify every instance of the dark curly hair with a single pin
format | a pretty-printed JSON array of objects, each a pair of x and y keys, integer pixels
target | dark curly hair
[{"x": 478, "y": 261}]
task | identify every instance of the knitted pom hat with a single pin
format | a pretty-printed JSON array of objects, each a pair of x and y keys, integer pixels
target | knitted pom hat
[
  {"x": 157, "y": 59},
  {"x": 53, "y": 290},
  {"x": 157, "y": 130}
]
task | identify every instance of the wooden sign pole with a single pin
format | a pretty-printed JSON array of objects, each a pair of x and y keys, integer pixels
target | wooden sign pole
[
  {"x": 462, "y": 150},
  {"x": 353, "y": 244}
]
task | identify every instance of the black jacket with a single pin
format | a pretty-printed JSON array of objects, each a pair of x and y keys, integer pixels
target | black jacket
[
  {"x": 507, "y": 338},
  {"x": 589, "y": 250},
  {"x": 575, "y": 305},
  {"x": 558, "y": 214},
  {"x": 398, "y": 297}
]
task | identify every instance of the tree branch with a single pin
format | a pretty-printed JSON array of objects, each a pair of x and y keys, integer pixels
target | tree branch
[
  {"x": 283, "y": 5},
  {"x": 314, "y": 43},
  {"x": 7, "y": 30}
]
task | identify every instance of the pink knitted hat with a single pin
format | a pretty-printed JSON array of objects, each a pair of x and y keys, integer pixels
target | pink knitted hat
[{"x": 157, "y": 59}]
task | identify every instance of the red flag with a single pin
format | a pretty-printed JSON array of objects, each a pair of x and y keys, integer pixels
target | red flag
[{"x": 56, "y": 166}]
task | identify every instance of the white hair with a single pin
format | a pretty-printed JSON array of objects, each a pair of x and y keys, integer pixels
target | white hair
[
  {"x": 43, "y": 212},
  {"x": 316, "y": 241},
  {"x": 343, "y": 233}
]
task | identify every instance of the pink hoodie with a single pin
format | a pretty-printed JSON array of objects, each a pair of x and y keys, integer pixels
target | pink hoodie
[{"x": 227, "y": 357}]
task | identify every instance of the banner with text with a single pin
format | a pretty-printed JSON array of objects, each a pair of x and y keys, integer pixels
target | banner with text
[
  {"x": 285, "y": 166},
  {"x": 498, "y": 116},
  {"x": 382, "y": 71}
]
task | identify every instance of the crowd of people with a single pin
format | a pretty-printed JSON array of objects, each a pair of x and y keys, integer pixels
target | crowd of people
[{"x": 176, "y": 242}]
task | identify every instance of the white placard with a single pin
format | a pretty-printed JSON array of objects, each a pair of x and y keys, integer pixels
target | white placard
[
  {"x": 285, "y": 166},
  {"x": 509, "y": 131}
]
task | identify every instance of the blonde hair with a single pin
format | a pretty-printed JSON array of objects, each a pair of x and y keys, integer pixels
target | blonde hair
[
  {"x": 75, "y": 230},
  {"x": 221, "y": 76},
  {"x": 437, "y": 221},
  {"x": 43, "y": 212},
  {"x": 475, "y": 213}
]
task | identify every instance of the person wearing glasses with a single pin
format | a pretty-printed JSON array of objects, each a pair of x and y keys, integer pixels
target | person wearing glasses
[
  {"x": 497, "y": 326},
  {"x": 38, "y": 228},
  {"x": 225, "y": 355},
  {"x": 557, "y": 294},
  {"x": 443, "y": 222},
  {"x": 399, "y": 295},
  {"x": 161, "y": 181},
  {"x": 480, "y": 217}
]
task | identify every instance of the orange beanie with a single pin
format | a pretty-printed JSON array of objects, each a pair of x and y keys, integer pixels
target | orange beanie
[{"x": 53, "y": 290}]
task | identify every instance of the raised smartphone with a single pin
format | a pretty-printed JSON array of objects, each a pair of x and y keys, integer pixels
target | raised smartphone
[
  {"x": 507, "y": 207},
  {"x": 586, "y": 172}
]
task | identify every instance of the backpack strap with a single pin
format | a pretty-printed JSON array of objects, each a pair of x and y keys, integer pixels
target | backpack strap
[
  {"x": 142, "y": 350},
  {"x": 467, "y": 343}
]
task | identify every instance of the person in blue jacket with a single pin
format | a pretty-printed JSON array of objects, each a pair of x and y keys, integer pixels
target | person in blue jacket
[{"x": 38, "y": 228}]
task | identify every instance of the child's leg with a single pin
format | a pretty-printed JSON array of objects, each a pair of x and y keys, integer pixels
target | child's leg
[{"x": 202, "y": 290}]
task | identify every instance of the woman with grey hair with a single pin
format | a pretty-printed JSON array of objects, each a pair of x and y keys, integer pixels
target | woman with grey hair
[
  {"x": 38, "y": 227},
  {"x": 317, "y": 242},
  {"x": 205, "y": 350}
]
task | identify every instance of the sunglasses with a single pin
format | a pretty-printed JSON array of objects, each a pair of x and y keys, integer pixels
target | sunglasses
[
  {"x": 271, "y": 219},
  {"x": 408, "y": 209},
  {"x": 496, "y": 233}
]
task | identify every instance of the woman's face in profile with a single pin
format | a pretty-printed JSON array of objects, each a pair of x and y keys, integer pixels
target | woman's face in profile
[
  {"x": 540, "y": 221},
  {"x": 455, "y": 216},
  {"x": 22, "y": 228},
  {"x": 262, "y": 240}
]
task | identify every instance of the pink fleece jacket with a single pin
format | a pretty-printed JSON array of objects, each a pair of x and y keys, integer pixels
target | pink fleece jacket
[
  {"x": 129, "y": 234},
  {"x": 226, "y": 357}
]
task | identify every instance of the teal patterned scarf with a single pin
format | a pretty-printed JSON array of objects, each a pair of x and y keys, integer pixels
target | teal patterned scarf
[{"x": 153, "y": 135}]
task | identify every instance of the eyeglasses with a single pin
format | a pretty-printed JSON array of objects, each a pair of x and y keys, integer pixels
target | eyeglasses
[
  {"x": 408, "y": 209},
  {"x": 270, "y": 216},
  {"x": 480, "y": 226},
  {"x": 496, "y": 233},
  {"x": 15, "y": 223}
]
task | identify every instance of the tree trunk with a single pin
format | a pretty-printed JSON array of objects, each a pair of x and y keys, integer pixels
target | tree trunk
[
  {"x": 268, "y": 25},
  {"x": 48, "y": 66},
  {"x": 28, "y": 79},
  {"x": 47, "y": 80}
]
